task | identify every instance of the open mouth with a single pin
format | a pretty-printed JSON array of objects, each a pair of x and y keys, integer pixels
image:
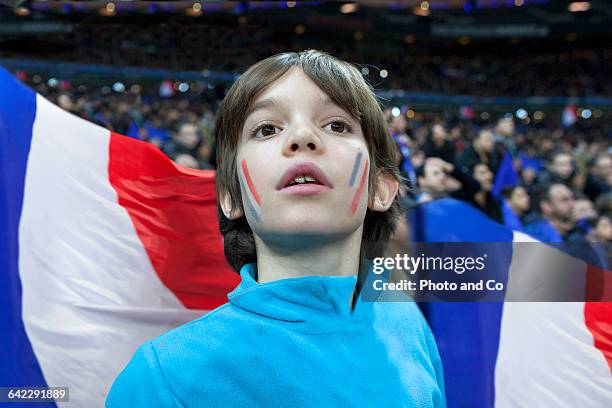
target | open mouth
[
  {"x": 303, "y": 180},
  {"x": 303, "y": 174}
]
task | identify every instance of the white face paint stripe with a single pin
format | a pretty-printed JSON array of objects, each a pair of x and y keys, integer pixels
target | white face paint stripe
[
  {"x": 355, "y": 169},
  {"x": 250, "y": 204}
]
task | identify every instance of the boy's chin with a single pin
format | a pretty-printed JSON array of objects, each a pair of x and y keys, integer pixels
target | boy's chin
[{"x": 303, "y": 229}]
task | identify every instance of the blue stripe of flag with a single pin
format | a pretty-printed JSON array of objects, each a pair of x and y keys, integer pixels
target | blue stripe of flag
[
  {"x": 19, "y": 366},
  {"x": 467, "y": 334}
]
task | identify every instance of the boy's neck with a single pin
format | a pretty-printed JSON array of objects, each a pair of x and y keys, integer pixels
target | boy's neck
[{"x": 339, "y": 257}]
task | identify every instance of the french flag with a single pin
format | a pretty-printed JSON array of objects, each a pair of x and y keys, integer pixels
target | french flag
[
  {"x": 569, "y": 116},
  {"x": 104, "y": 244},
  {"x": 520, "y": 353}
]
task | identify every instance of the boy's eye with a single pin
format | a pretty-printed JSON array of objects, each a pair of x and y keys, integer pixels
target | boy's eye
[
  {"x": 337, "y": 126},
  {"x": 266, "y": 130}
]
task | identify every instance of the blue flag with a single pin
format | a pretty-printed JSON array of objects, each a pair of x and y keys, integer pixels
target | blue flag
[{"x": 506, "y": 176}]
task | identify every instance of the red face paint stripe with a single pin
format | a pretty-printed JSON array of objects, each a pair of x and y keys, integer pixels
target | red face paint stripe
[
  {"x": 357, "y": 195},
  {"x": 247, "y": 176}
]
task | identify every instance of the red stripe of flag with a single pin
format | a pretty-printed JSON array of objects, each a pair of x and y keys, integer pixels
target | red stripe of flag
[
  {"x": 598, "y": 310},
  {"x": 174, "y": 212}
]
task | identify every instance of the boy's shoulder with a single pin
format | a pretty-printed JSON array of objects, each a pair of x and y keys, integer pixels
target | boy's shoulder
[
  {"x": 163, "y": 370},
  {"x": 213, "y": 331}
]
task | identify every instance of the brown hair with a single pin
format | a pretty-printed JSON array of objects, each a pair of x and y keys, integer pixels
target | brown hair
[{"x": 344, "y": 84}]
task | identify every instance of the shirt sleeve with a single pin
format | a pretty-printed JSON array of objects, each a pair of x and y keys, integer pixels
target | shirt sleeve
[{"x": 141, "y": 383}]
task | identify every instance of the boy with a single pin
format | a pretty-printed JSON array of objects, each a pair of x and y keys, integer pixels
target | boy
[{"x": 307, "y": 190}]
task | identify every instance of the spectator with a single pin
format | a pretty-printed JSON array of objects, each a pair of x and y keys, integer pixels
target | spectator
[
  {"x": 504, "y": 136},
  {"x": 601, "y": 239},
  {"x": 515, "y": 204},
  {"x": 438, "y": 178},
  {"x": 560, "y": 170},
  {"x": 555, "y": 218},
  {"x": 528, "y": 179},
  {"x": 185, "y": 141},
  {"x": 603, "y": 204},
  {"x": 602, "y": 229},
  {"x": 482, "y": 150},
  {"x": 583, "y": 210},
  {"x": 599, "y": 179},
  {"x": 431, "y": 179},
  {"x": 483, "y": 199},
  {"x": 438, "y": 145}
]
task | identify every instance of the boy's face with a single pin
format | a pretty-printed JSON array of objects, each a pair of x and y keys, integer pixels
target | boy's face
[{"x": 302, "y": 163}]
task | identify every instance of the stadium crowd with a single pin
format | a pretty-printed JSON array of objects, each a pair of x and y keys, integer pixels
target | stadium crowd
[
  {"x": 514, "y": 71},
  {"x": 550, "y": 181},
  {"x": 554, "y": 185}
]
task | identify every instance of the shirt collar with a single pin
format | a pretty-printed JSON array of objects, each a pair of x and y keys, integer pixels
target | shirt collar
[{"x": 309, "y": 303}]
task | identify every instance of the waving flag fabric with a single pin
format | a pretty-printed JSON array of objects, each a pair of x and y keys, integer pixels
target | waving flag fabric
[
  {"x": 518, "y": 354},
  {"x": 104, "y": 243},
  {"x": 506, "y": 176}
]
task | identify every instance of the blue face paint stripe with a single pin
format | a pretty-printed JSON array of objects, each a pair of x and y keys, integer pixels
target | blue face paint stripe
[
  {"x": 250, "y": 204},
  {"x": 355, "y": 168}
]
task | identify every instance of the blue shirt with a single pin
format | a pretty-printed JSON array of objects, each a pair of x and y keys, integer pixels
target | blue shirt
[
  {"x": 543, "y": 230},
  {"x": 289, "y": 343},
  {"x": 511, "y": 220}
]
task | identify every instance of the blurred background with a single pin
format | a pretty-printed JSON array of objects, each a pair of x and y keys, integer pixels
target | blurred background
[{"x": 504, "y": 104}]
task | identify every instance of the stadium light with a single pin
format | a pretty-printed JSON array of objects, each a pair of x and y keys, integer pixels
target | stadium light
[
  {"x": 521, "y": 113},
  {"x": 395, "y": 111},
  {"x": 118, "y": 87},
  {"x": 291, "y": 4},
  {"x": 578, "y": 6},
  {"x": 384, "y": 73},
  {"x": 22, "y": 11},
  {"x": 420, "y": 11},
  {"x": 195, "y": 10},
  {"x": 348, "y": 8},
  {"x": 586, "y": 113},
  {"x": 109, "y": 10},
  {"x": 464, "y": 40}
]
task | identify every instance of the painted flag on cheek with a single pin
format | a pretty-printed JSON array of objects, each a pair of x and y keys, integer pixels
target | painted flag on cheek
[{"x": 104, "y": 244}]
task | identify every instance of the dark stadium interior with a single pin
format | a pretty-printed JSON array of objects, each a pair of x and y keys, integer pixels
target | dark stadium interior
[{"x": 534, "y": 73}]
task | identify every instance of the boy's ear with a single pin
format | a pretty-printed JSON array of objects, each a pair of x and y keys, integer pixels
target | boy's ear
[
  {"x": 386, "y": 190},
  {"x": 225, "y": 202}
]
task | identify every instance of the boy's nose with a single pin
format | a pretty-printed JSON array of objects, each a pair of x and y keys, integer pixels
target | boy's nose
[{"x": 303, "y": 139}]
